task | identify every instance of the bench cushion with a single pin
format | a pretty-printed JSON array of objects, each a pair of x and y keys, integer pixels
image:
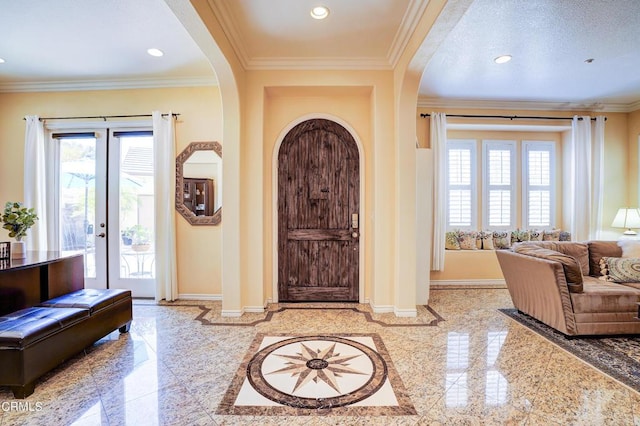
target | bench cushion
[
  {"x": 89, "y": 298},
  {"x": 21, "y": 328}
]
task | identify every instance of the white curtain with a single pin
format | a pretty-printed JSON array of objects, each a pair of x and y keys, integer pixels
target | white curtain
[
  {"x": 438, "y": 128},
  {"x": 598, "y": 179},
  {"x": 585, "y": 179},
  {"x": 165, "y": 225},
  {"x": 35, "y": 192}
]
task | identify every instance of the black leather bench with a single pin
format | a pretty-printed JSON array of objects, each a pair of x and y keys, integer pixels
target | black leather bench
[{"x": 35, "y": 340}]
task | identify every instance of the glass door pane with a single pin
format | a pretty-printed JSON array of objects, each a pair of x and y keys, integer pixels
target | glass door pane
[
  {"x": 132, "y": 246},
  {"x": 77, "y": 199}
]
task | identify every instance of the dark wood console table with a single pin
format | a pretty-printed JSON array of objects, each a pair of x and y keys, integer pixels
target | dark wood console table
[{"x": 42, "y": 275}]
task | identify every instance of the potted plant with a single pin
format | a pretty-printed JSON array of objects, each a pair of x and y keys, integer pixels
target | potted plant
[
  {"x": 17, "y": 220},
  {"x": 140, "y": 238}
]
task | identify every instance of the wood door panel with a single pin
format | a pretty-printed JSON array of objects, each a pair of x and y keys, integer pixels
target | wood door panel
[{"x": 318, "y": 191}]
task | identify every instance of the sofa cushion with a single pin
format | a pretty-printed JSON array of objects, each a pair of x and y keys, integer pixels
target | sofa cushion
[
  {"x": 620, "y": 269},
  {"x": 88, "y": 298},
  {"x": 600, "y": 296},
  {"x": 579, "y": 251},
  {"x": 598, "y": 249},
  {"x": 21, "y": 328},
  {"x": 570, "y": 265}
]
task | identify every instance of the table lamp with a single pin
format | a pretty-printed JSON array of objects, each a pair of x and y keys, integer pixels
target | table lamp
[{"x": 627, "y": 218}]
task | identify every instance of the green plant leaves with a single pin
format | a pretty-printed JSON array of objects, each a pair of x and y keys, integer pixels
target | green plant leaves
[{"x": 18, "y": 219}]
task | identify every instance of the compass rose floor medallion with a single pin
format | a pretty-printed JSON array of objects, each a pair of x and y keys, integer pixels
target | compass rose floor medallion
[{"x": 345, "y": 374}]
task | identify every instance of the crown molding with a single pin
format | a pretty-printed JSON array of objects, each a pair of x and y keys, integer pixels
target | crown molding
[
  {"x": 82, "y": 85},
  {"x": 321, "y": 63},
  {"x": 229, "y": 25},
  {"x": 425, "y": 102},
  {"x": 410, "y": 20}
]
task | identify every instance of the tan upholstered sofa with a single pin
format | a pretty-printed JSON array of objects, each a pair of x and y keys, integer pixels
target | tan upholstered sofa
[{"x": 543, "y": 280}]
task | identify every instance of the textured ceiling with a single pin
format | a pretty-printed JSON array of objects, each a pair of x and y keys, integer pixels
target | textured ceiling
[
  {"x": 549, "y": 41},
  {"x": 62, "y": 44}
]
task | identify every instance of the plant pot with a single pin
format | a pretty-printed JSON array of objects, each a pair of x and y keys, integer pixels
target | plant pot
[
  {"x": 18, "y": 250},
  {"x": 140, "y": 247}
]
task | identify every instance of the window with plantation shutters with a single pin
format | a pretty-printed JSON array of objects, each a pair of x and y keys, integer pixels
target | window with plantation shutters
[
  {"x": 509, "y": 184},
  {"x": 538, "y": 162},
  {"x": 499, "y": 195},
  {"x": 461, "y": 185}
]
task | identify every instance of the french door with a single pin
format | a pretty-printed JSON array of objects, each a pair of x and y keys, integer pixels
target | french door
[{"x": 105, "y": 206}]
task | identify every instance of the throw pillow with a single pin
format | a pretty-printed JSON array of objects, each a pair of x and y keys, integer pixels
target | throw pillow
[
  {"x": 630, "y": 248},
  {"x": 487, "y": 240},
  {"x": 620, "y": 269},
  {"x": 553, "y": 235},
  {"x": 570, "y": 265},
  {"x": 452, "y": 241},
  {"x": 565, "y": 236},
  {"x": 468, "y": 240},
  {"x": 519, "y": 236},
  {"x": 535, "y": 235},
  {"x": 502, "y": 239}
]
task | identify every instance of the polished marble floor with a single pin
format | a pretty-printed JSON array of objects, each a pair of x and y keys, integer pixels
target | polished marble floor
[{"x": 460, "y": 362}]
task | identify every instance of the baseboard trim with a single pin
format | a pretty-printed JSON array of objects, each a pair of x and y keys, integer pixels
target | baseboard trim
[
  {"x": 405, "y": 313},
  {"x": 467, "y": 284},
  {"x": 253, "y": 309},
  {"x": 381, "y": 309},
  {"x": 232, "y": 313},
  {"x": 388, "y": 309},
  {"x": 195, "y": 296}
]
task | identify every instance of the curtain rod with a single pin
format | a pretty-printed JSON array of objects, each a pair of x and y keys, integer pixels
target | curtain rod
[
  {"x": 510, "y": 117},
  {"x": 103, "y": 117}
]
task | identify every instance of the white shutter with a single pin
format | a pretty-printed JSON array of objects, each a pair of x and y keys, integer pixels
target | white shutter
[
  {"x": 538, "y": 160},
  {"x": 461, "y": 188},
  {"x": 499, "y": 184}
]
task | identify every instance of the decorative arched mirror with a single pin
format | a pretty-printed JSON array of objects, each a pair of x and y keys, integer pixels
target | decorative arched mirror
[{"x": 199, "y": 183}]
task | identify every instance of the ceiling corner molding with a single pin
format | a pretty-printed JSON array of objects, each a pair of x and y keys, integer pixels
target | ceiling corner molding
[
  {"x": 229, "y": 25},
  {"x": 407, "y": 27},
  {"x": 425, "y": 102},
  {"x": 321, "y": 63},
  {"x": 634, "y": 106},
  {"x": 84, "y": 85}
]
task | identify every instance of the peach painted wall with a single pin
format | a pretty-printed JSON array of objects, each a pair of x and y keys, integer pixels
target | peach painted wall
[
  {"x": 199, "y": 252},
  {"x": 634, "y": 168},
  {"x": 276, "y": 101}
]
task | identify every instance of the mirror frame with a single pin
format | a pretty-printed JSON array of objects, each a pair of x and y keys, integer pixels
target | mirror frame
[{"x": 180, "y": 160}]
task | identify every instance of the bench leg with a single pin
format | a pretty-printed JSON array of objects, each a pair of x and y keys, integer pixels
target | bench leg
[
  {"x": 21, "y": 392},
  {"x": 125, "y": 328}
]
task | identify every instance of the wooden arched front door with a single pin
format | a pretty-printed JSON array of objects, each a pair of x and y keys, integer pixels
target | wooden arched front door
[{"x": 318, "y": 206}]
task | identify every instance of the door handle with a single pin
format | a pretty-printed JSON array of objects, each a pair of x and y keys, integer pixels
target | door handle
[{"x": 101, "y": 235}]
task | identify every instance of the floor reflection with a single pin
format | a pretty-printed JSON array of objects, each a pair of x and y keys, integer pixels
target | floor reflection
[{"x": 475, "y": 367}]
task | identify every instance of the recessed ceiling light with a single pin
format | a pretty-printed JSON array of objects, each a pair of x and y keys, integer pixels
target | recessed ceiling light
[
  {"x": 502, "y": 59},
  {"x": 589, "y": 61},
  {"x": 1, "y": 61},
  {"x": 319, "y": 12},
  {"x": 155, "y": 52}
]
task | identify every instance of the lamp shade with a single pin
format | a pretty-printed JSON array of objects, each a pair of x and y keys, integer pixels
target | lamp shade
[{"x": 627, "y": 218}]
